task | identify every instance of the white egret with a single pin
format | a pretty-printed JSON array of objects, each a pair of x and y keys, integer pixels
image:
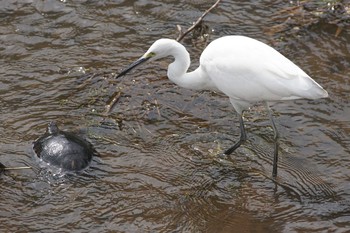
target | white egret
[{"x": 244, "y": 69}]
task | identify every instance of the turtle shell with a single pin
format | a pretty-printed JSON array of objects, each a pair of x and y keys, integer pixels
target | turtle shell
[{"x": 64, "y": 150}]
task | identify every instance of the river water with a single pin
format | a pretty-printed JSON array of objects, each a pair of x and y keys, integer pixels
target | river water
[{"x": 158, "y": 169}]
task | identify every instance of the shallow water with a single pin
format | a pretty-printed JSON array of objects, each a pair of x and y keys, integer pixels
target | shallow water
[{"x": 158, "y": 170}]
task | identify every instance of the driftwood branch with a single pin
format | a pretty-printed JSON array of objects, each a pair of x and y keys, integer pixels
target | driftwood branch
[{"x": 199, "y": 20}]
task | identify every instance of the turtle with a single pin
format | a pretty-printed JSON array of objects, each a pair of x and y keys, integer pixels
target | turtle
[{"x": 64, "y": 150}]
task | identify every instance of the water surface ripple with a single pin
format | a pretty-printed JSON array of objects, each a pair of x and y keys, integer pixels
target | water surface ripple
[{"x": 158, "y": 169}]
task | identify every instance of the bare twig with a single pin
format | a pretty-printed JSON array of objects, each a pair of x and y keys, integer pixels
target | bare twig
[
  {"x": 15, "y": 168},
  {"x": 199, "y": 20},
  {"x": 3, "y": 168},
  {"x": 112, "y": 102}
]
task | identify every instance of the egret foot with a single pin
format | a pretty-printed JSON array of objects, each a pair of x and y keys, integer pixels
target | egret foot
[{"x": 242, "y": 138}]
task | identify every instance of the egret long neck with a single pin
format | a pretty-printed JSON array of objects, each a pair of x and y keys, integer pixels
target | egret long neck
[{"x": 195, "y": 80}]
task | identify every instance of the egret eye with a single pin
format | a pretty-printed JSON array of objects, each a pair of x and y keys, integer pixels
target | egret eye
[{"x": 150, "y": 54}]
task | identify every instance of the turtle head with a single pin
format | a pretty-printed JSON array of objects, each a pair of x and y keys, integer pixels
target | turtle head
[{"x": 52, "y": 128}]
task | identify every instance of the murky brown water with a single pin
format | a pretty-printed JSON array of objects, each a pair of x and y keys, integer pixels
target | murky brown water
[{"x": 158, "y": 170}]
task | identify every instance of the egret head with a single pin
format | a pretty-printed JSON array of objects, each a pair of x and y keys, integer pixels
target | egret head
[{"x": 159, "y": 49}]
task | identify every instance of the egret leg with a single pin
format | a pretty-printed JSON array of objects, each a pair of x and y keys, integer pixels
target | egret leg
[
  {"x": 276, "y": 135},
  {"x": 242, "y": 138}
]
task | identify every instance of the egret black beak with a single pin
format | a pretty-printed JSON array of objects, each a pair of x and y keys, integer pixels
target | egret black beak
[{"x": 133, "y": 65}]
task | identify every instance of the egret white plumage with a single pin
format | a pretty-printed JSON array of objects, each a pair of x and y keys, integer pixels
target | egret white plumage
[{"x": 246, "y": 70}]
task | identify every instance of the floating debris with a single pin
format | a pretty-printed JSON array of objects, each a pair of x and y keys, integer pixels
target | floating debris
[{"x": 313, "y": 13}]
